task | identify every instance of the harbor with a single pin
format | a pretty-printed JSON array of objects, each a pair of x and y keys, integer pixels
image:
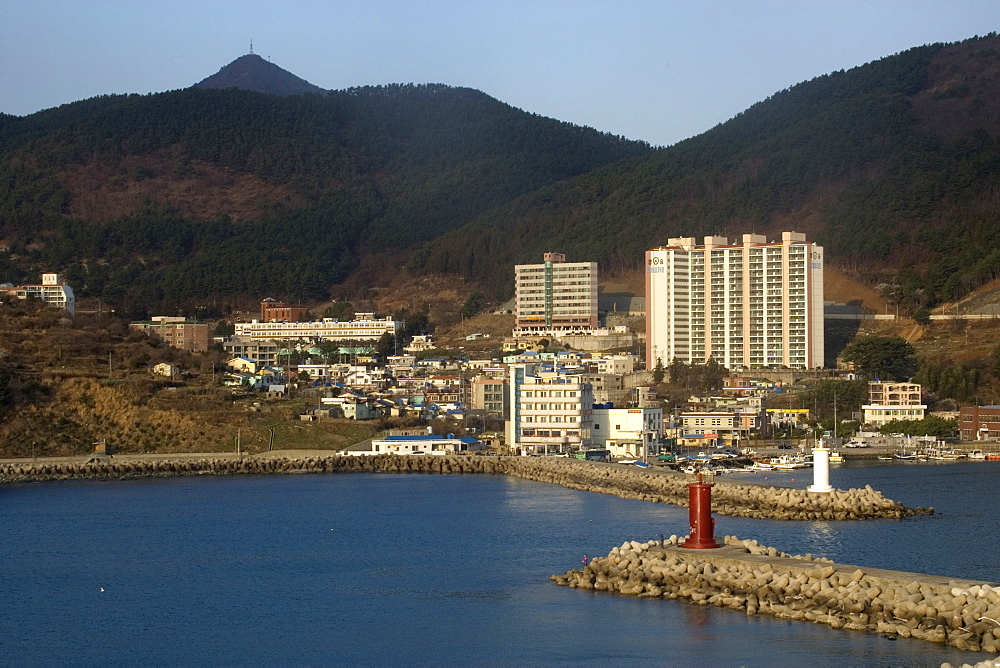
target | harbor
[{"x": 322, "y": 559}]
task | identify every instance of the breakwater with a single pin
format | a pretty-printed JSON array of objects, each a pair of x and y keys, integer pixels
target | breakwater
[
  {"x": 728, "y": 498},
  {"x": 743, "y": 575}
]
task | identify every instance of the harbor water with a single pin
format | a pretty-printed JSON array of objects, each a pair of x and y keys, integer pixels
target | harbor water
[{"x": 418, "y": 569}]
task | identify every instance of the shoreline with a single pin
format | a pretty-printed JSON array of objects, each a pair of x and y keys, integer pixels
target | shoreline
[{"x": 736, "y": 499}]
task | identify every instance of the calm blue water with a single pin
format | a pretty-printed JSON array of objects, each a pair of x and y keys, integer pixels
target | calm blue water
[{"x": 369, "y": 569}]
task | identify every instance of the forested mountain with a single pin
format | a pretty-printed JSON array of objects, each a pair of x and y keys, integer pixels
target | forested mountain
[
  {"x": 165, "y": 202},
  {"x": 892, "y": 166},
  {"x": 169, "y": 201},
  {"x": 251, "y": 72}
]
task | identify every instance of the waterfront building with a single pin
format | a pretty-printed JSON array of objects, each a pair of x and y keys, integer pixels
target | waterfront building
[
  {"x": 52, "y": 290},
  {"x": 555, "y": 297},
  {"x": 747, "y": 305},
  {"x": 364, "y": 327},
  {"x": 627, "y": 432},
  {"x": 550, "y": 411},
  {"x": 892, "y": 401},
  {"x": 425, "y": 444}
]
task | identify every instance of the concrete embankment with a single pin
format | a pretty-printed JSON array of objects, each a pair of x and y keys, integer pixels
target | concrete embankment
[
  {"x": 743, "y": 575},
  {"x": 733, "y": 499}
]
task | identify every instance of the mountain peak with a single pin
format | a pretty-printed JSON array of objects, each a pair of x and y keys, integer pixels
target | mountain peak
[{"x": 251, "y": 72}]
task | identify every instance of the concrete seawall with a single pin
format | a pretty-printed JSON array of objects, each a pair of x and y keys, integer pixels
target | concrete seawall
[
  {"x": 733, "y": 499},
  {"x": 743, "y": 575}
]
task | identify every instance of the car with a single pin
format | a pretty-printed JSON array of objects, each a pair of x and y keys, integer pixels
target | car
[{"x": 784, "y": 446}]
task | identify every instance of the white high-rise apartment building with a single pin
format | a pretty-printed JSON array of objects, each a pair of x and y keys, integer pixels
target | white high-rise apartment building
[
  {"x": 555, "y": 296},
  {"x": 748, "y": 305}
]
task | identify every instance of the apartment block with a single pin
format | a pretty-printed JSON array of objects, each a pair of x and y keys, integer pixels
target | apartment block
[
  {"x": 53, "y": 291},
  {"x": 491, "y": 395},
  {"x": 893, "y": 401},
  {"x": 178, "y": 332},
  {"x": 555, "y": 296},
  {"x": 747, "y": 305}
]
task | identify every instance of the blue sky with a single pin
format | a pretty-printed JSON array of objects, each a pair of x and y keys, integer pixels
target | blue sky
[{"x": 658, "y": 71}]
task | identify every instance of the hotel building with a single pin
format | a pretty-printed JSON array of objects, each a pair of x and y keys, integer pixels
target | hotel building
[
  {"x": 555, "y": 297},
  {"x": 748, "y": 305},
  {"x": 550, "y": 411}
]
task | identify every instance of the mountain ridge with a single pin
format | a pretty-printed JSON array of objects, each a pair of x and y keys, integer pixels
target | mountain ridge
[{"x": 891, "y": 166}]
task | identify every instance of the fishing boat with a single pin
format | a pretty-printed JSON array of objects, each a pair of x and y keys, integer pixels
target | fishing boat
[
  {"x": 907, "y": 456},
  {"x": 787, "y": 463},
  {"x": 836, "y": 457},
  {"x": 978, "y": 455}
]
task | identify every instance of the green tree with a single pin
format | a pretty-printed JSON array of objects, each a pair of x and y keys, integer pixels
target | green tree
[
  {"x": 658, "y": 372},
  {"x": 884, "y": 357},
  {"x": 386, "y": 345},
  {"x": 922, "y": 316},
  {"x": 473, "y": 305}
]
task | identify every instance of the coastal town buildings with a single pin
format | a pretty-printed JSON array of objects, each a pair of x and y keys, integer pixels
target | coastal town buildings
[
  {"x": 175, "y": 331},
  {"x": 364, "y": 327},
  {"x": 555, "y": 297},
  {"x": 272, "y": 310},
  {"x": 627, "y": 432},
  {"x": 747, "y": 305},
  {"x": 889, "y": 401},
  {"x": 979, "y": 423},
  {"x": 265, "y": 352},
  {"x": 53, "y": 290},
  {"x": 550, "y": 411},
  {"x": 425, "y": 444}
]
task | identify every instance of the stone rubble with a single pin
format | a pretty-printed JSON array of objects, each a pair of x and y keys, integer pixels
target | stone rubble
[
  {"x": 728, "y": 498},
  {"x": 744, "y": 575}
]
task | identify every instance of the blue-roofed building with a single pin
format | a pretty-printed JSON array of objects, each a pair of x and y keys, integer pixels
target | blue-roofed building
[{"x": 424, "y": 444}]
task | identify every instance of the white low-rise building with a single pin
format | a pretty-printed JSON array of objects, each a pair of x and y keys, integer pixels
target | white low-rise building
[
  {"x": 428, "y": 444},
  {"x": 627, "y": 432},
  {"x": 53, "y": 291}
]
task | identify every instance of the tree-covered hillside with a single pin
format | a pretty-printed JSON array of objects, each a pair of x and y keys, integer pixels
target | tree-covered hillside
[
  {"x": 164, "y": 201},
  {"x": 892, "y": 166}
]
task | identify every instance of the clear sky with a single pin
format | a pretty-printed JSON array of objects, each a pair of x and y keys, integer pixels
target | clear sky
[{"x": 657, "y": 70}]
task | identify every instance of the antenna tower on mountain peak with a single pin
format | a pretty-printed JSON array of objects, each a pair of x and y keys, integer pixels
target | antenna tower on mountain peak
[{"x": 251, "y": 46}]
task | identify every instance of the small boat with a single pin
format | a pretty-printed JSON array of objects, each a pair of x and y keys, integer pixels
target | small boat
[
  {"x": 942, "y": 455},
  {"x": 836, "y": 457},
  {"x": 761, "y": 466},
  {"x": 787, "y": 463},
  {"x": 978, "y": 455},
  {"x": 993, "y": 456},
  {"x": 908, "y": 456}
]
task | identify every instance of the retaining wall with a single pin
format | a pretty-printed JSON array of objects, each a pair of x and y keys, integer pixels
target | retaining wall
[
  {"x": 743, "y": 575},
  {"x": 733, "y": 499}
]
